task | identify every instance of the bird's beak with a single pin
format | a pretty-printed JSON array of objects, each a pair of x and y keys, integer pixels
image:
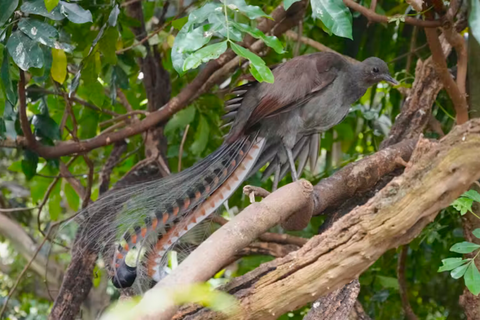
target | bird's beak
[{"x": 391, "y": 80}]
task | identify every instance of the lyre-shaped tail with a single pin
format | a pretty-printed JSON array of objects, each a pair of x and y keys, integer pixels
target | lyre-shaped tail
[{"x": 187, "y": 199}]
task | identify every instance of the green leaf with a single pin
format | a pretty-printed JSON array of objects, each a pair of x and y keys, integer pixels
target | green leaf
[
  {"x": 179, "y": 23},
  {"x": 205, "y": 54},
  {"x": 472, "y": 279},
  {"x": 464, "y": 247},
  {"x": 252, "y": 12},
  {"x": 3, "y": 128},
  {"x": 474, "y": 19},
  {"x": 201, "y": 137},
  {"x": 6, "y": 82},
  {"x": 45, "y": 127},
  {"x": 472, "y": 194},
  {"x": 257, "y": 66},
  {"x": 458, "y": 272},
  {"x": 108, "y": 45},
  {"x": 25, "y": 52},
  {"x": 59, "y": 65},
  {"x": 54, "y": 203},
  {"x": 201, "y": 14},
  {"x": 335, "y": 16},
  {"x": 270, "y": 41},
  {"x": 452, "y": 263},
  {"x": 75, "y": 13},
  {"x": 113, "y": 17},
  {"x": 188, "y": 40},
  {"x": 29, "y": 164},
  {"x": 38, "y": 7},
  {"x": 476, "y": 233},
  {"x": 463, "y": 205},
  {"x": 180, "y": 120},
  {"x": 88, "y": 124},
  {"x": 42, "y": 33},
  {"x": 7, "y": 7},
  {"x": 288, "y": 3},
  {"x": 388, "y": 282},
  {"x": 51, "y": 4},
  {"x": 72, "y": 197}
]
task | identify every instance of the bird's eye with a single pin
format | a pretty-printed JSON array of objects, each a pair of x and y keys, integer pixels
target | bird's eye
[{"x": 375, "y": 69}]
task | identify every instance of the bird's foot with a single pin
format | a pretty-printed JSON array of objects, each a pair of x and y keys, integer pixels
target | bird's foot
[{"x": 252, "y": 191}]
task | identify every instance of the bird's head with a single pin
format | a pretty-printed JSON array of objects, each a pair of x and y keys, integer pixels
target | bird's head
[{"x": 375, "y": 70}]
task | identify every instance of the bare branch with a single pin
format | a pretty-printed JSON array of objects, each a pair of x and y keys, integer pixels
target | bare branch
[
  {"x": 402, "y": 282},
  {"x": 372, "y": 16}
]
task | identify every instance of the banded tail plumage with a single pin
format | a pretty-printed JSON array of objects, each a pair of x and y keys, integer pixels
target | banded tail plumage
[{"x": 276, "y": 123}]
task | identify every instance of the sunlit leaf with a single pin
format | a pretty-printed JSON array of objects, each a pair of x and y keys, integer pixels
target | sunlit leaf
[
  {"x": 59, "y": 65},
  {"x": 51, "y": 4},
  {"x": 179, "y": 23},
  {"x": 463, "y": 205},
  {"x": 24, "y": 51},
  {"x": 250, "y": 11},
  {"x": 257, "y": 66},
  {"x": 472, "y": 279},
  {"x": 38, "y": 7},
  {"x": 464, "y": 247},
  {"x": 452, "y": 263},
  {"x": 7, "y": 7},
  {"x": 476, "y": 233},
  {"x": 112, "y": 18},
  {"x": 335, "y": 16},
  {"x": 205, "y": 54},
  {"x": 75, "y": 13},
  {"x": 472, "y": 194},
  {"x": 270, "y": 41},
  {"x": 458, "y": 272}
]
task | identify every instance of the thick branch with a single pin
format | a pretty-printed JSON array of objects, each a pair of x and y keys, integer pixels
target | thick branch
[{"x": 393, "y": 217}]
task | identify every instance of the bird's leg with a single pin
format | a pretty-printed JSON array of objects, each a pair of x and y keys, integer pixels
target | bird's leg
[
  {"x": 292, "y": 164},
  {"x": 276, "y": 177}
]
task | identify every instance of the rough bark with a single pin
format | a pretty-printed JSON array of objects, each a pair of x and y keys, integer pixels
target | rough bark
[
  {"x": 394, "y": 216},
  {"x": 336, "y": 305}
]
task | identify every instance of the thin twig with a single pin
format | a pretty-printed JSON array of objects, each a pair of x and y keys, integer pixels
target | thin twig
[
  {"x": 459, "y": 100},
  {"x": 407, "y": 308},
  {"x": 123, "y": 117},
  {"x": 180, "y": 152},
  {"x": 86, "y": 198},
  {"x": 76, "y": 100},
  {"x": 372, "y": 16},
  {"x": 24, "y": 123},
  {"x": 156, "y": 31}
]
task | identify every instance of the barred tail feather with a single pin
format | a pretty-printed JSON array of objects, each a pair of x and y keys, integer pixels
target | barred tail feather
[{"x": 163, "y": 211}]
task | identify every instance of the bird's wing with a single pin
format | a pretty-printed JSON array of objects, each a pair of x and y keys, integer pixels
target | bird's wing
[{"x": 296, "y": 82}]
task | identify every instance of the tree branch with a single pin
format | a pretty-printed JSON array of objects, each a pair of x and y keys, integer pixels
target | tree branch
[
  {"x": 372, "y": 16},
  {"x": 198, "y": 86},
  {"x": 394, "y": 216},
  {"x": 459, "y": 100}
]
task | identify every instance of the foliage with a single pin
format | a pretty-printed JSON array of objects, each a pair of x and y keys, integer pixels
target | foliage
[
  {"x": 86, "y": 50},
  {"x": 465, "y": 267}
]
